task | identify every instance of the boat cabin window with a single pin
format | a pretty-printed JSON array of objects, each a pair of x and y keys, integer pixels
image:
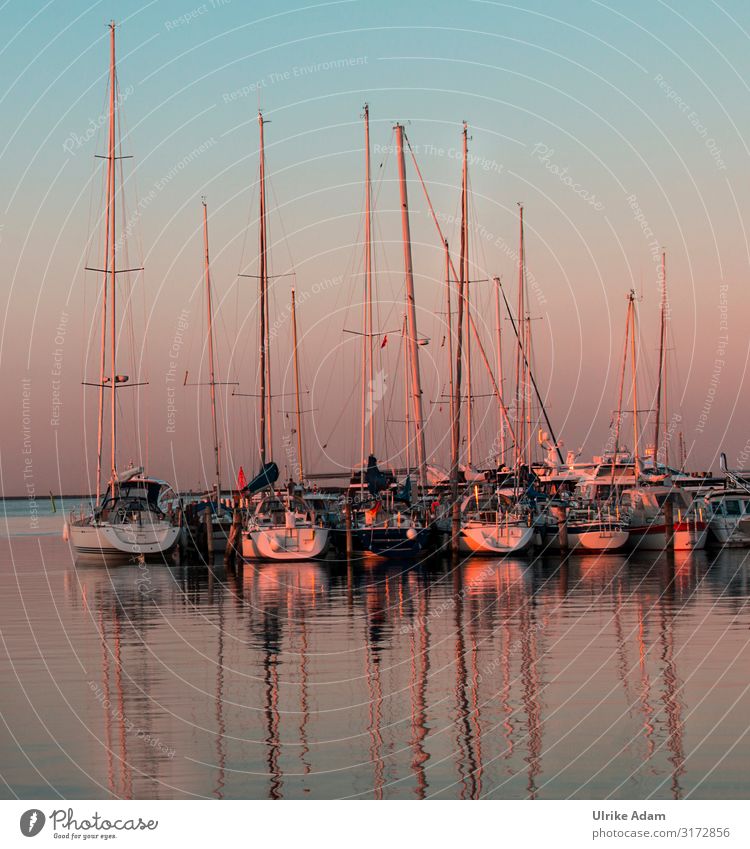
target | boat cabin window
[{"x": 733, "y": 507}]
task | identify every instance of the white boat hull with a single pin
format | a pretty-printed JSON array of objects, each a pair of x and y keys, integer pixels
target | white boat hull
[
  {"x": 286, "y": 544},
  {"x": 729, "y": 533},
  {"x": 687, "y": 537},
  {"x": 122, "y": 541},
  {"x": 476, "y": 538},
  {"x": 609, "y": 540}
]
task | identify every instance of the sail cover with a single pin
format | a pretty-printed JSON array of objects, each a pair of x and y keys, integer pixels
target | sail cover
[{"x": 267, "y": 476}]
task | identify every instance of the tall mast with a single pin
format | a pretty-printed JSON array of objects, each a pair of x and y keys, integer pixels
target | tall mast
[
  {"x": 465, "y": 274},
  {"x": 406, "y": 396},
  {"x": 449, "y": 324},
  {"x": 520, "y": 365},
  {"x": 527, "y": 386},
  {"x": 501, "y": 420},
  {"x": 211, "y": 363},
  {"x": 416, "y": 384},
  {"x": 111, "y": 218},
  {"x": 634, "y": 371},
  {"x": 368, "y": 277},
  {"x": 296, "y": 390},
  {"x": 368, "y": 402},
  {"x": 105, "y": 281},
  {"x": 456, "y": 423},
  {"x": 263, "y": 294},
  {"x": 662, "y": 334},
  {"x": 618, "y": 420}
]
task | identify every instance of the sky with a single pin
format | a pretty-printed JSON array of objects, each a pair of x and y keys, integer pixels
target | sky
[{"x": 620, "y": 126}]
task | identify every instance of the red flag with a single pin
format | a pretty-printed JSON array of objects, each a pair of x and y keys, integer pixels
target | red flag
[
  {"x": 385, "y": 341},
  {"x": 241, "y": 482}
]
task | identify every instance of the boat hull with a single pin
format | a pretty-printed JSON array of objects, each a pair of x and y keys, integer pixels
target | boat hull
[
  {"x": 496, "y": 539},
  {"x": 110, "y": 542},
  {"x": 728, "y": 533},
  {"x": 386, "y": 543},
  {"x": 687, "y": 536},
  {"x": 284, "y": 544},
  {"x": 598, "y": 540}
]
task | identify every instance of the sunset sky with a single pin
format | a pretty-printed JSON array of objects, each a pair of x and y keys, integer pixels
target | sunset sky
[{"x": 622, "y": 127}]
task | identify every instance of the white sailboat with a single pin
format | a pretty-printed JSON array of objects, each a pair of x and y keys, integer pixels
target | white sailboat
[
  {"x": 487, "y": 528},
  {"x": 221, "y": 517},
  {"x": 283, "y": 526},
  {"x": 134, "y": 517}
]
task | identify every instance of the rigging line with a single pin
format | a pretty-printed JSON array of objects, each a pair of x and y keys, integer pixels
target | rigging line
[
  {"x": 239, "y": 357},
  {"x": 470, "y": 317},
  {"x": 531, "y": 375},
  {"x": 376, "y": 188},
  {"x": 284, "y": 237}
]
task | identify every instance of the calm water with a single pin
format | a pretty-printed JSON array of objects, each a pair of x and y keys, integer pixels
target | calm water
[{"x": 592, "y": 677}]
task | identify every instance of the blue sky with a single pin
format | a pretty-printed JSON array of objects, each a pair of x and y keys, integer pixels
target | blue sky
[{"x": 598, "y": 116}]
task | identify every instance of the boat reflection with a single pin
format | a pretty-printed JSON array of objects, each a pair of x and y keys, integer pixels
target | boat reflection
[{"x": 443, "y": 679}]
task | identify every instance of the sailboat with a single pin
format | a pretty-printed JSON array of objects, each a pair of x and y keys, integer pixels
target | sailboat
[
  {"x": 282, "y": 526},
  {"x": 387, "y": 525},
  {"x": 134, "y": 517},
  {"x": 489, "y": 528},
  {"x": 221, "y": 517}
]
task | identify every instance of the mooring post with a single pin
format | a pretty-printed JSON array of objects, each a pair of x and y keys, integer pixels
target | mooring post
[
  {"x": 669, "y": 524},
  {"x": 209, "y": 533},
  {"x": 560, "y": 512},
  {"x": 348, "y": 525}
]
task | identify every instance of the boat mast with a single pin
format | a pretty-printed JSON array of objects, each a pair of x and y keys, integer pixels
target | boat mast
[
  {"x": 211, "y": 365},
  {"x": 618, "y": 421},
  {"x": 501, "y": 421},
  {"x": 368, "y": 277},
  {"x": 111, "y": 246},
  {"x": 406, "y": 396},
  {"x": 449, "y": 323},
  {"x": 263, "y": 295},
  {"x": 662, "y": 364},
  {"x": 456, "y": 423},
  {"x": 634, "y": 372},
  {"x": 296, "y": 389},
  {"x": 102, "y": 356},
  {"x": 368, "y": 401},
  {"x": 520, "y": 365},
  {"x": 416, "y": 384},
  {"x": 465, "y": 273}
]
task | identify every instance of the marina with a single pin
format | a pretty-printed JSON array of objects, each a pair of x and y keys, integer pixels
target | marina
[
  {"x": 547, "y": 677},
  {"x": 376, "y": 431}
]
